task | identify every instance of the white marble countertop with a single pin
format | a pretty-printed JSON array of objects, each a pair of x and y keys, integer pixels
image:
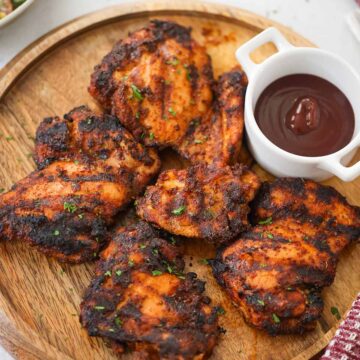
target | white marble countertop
[{"x": 321, "y": 21}]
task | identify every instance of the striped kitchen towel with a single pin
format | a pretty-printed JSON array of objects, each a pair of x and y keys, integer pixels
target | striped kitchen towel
[{"x": 346, "y": 343}]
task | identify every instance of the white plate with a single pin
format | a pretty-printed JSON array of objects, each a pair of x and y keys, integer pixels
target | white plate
[{"x": 8, "y": 18}]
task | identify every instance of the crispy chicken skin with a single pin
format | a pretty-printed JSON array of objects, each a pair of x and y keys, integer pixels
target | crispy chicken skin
[
  {"x": 156, "y": 81},
  {"x": 141, "y": 300},
  {"x": 201, "y": 201},
  {"x": 90, "y": 168},
  {"x": 216, "y": 138},
  {"x": 276, "y": 271}
]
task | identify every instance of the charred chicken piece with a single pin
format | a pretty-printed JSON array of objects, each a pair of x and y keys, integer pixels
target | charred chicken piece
[
  {"x": 216, "y": 138},
  {"x": 91, "y": 168},
  {"x": 276, "y": 271},
  {"x": 141, "y": 300},
  {"x": 324, "y": 205},
  {"x": 201, "y": 202},
  {"x": 156, "y": 81}
]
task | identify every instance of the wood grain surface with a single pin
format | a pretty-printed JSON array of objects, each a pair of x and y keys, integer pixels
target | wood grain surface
[{"x": 39, "y": 298}]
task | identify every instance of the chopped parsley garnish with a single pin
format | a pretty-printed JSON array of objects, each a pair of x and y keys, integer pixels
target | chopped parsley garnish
[
  {"x": 136, "y": 93},
  {"x": 172, "y": 240},
  {"x": 111, "y": 330},
  {"x": 137, "y": 115},
  {"x": 180, "y": 210},
  {"x": 89, "y": 121},
  {"x": 275, "y": 319},
  {"x": 334, "y": 310},
  {"x": 70, "y": 207},
  {"x": 99, "y": 307},
  {"x": 131, "y": 263},
  {"x": 180, "y": 276},
  {"x": 142, "y": 246},
  {"x": 221, "y": 311},
  {"x": 56, "y": 232},
  {"x": 188, "y": 75},
  {"x": 262, "y": 265},
  {"x": 155, "y": 251},
  {"x": 142, "y": 135},
  {"x": 270, "y": 235},
  {"x": 203, "y": 261},
  {"x": 261, "y": 302},
  {"x": 76, "y": 162},
  {"x": 173, "y": 62},
  {"x": 156, "y": 272},
  {"x": 289, "y": 288},
  {"x": 172, "y": 111},
  {"x": 9, "y": 138},
  {"x": 108, "y": 273},
  {"x": 118, "y": 272},
  {"x": 118, "y": 321},
  {"x": 169, "y": 269},
  {"x": 198, "y": 141},
  {"x": 167, "y": 82},
  {"x": 2, "y": 190},
  {"x": 94, "y": 254},
  {"x": 81, "y": 216},
  {"x": 267, "y": 221},
  {"x": 151, "y": 136}
]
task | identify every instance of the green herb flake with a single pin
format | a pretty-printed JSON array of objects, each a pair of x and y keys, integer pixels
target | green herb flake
[
  {"x": 62, "y": 271},
  {"x": 142, "y": 246},
  {"x": 270, "y": 235},
  {"x": 180, "y": 210},
  {"x": 289, "y": 288},
  {"x": 118, "y": 321},
  {"x": 89, "y": 121},
  {"x": 9, "y": 138},
  {"x": 267, "y": 221},
  {"x": 182, "y": 277},
  {"x": 169, "y": 269},
  {"x": 131, "y": 263},
  {"x": 220, "y": 311},
  {"x": 136, "y": 93},
  {"x": 335, "y": 311},
  {"x": 155, "y": 251},
  {"x": 172, "y": 111},
  {"x": 137, "y": 115},
  {"x": 262, "y": 265},
  {"x": 151, "y": 136},
  {"x": 198, "y": 141},
  {"x": 172, "y": 240},
  {"x": 71, "y": 208},
  {"x": 107, "y": 273},
  {"x": 167, "y": 82},
  {"x": 99, "y": 307},
  {"x": 2, "y": 190},
  {"x": 203, "y": 262},
  {"x": 173, "y": 62},
  {"x": 156, "y": 272},
  {"x": 81, "y": 216},
  {"x": 261, "y": 302},
  {"x": 118, "y": 272},
  {"x": 275, "y": 319},
  {"x": 56, "y": 232},
  {"x": 142, "y": 136},
  {"x": 111, "y": 330}
]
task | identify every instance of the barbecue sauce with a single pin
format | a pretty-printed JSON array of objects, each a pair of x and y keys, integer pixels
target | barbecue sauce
[{"x": 305, "y": 115}]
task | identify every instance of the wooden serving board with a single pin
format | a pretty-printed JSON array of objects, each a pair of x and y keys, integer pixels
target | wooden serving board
[{"x": 39, "y": 298}]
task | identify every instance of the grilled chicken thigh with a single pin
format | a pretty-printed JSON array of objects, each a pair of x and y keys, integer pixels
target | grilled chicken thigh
[
  {"x": 276, "y": 271},
  {"x": 90, "y": 168},
  {"x": 159, "y": 82},
  {"x": 141, "y": 299},
  {"x": 156, "y": 81},
  {"x": 201, "y": 202},
  {"x": 216, "y": 138}
]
